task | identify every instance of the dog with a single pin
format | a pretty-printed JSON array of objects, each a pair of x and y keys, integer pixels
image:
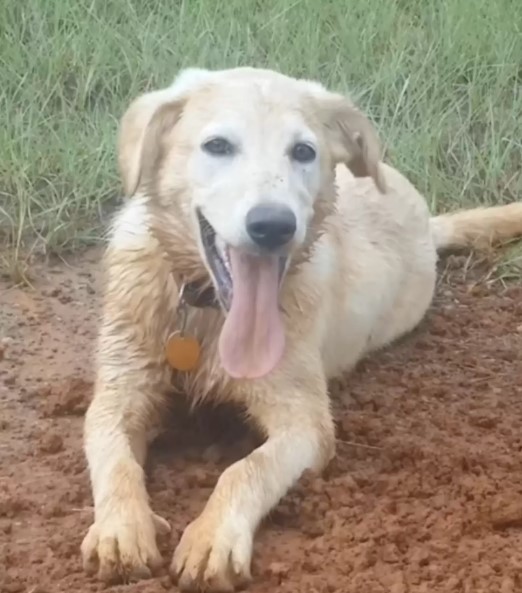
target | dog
[{"x": 264, "y": 248}]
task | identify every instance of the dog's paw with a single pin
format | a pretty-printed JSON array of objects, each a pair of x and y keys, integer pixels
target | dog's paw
[
  {"x": 122, "y": 547},
  {"x": 214, "y": 555}
]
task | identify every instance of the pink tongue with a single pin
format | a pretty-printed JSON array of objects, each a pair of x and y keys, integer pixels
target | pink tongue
[{"x": 252, "y": 340}]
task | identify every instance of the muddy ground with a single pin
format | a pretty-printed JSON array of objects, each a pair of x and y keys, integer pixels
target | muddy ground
[{"x": 424, "y": 495}]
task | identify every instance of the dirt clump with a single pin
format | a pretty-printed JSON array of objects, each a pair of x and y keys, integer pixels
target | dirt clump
[{"x": 70, "y": 398}]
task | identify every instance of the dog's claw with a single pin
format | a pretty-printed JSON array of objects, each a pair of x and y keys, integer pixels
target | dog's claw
[
  {"x": 212, "y": 556},
  {"x": 123, "y": 547}
]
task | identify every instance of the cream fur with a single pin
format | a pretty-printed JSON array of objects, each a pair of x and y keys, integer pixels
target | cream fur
[{"x": 363, "y": 275}]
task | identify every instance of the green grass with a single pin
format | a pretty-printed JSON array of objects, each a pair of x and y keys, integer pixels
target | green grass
[{"x": 442, "y": 81}]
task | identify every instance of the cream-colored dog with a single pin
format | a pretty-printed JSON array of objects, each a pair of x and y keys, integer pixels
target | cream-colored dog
[{"x": 264, "y": 229}]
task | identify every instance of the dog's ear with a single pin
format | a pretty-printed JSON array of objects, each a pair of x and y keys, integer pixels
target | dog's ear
[
  {"x": 144, "y": 122},
  {"x": 139, "y": 141},
  {"x": 353, "y": 139}
]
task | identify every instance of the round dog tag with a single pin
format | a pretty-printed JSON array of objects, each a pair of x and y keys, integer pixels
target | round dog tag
[{"x": 182, "y": 352}]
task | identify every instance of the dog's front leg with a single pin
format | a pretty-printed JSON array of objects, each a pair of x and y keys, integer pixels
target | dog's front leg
[
  {"x": 121, "y": 543},
  {"x": 132, "y": 379},
  {"x": 214, "y": 553}
]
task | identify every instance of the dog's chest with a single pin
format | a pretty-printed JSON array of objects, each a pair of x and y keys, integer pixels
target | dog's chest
[{"x": 207, "y": 379}]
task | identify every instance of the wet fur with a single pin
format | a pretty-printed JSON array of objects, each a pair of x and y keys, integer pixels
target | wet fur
[{"x": 363, "y": 276}]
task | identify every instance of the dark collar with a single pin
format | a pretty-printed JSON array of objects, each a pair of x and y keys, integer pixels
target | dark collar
[{"x": 196, "y": 294}]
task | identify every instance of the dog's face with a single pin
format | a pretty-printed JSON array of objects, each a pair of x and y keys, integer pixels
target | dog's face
[{"x": 249, "y": 152}]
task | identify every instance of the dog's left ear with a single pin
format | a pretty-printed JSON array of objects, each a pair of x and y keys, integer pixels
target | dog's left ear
[{"x": 353, "y": 139}]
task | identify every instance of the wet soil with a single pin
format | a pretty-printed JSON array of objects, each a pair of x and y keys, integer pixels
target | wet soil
[{"x": 424, "y": 495}]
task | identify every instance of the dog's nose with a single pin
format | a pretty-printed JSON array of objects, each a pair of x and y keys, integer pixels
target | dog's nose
[{"x": 271, "y": 225}]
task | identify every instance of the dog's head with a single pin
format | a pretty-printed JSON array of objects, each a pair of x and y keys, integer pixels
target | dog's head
[{"x": 245, "y": 158}]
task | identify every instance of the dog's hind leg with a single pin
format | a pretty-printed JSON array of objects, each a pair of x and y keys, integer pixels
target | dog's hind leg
[{"x": 214, "y": 553}]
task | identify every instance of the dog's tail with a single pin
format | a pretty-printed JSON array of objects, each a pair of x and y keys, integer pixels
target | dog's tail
[{"x": 477, "y": 228}]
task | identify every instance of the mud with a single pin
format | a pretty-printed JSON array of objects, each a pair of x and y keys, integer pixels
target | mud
[{"x": 424, "y": 495}]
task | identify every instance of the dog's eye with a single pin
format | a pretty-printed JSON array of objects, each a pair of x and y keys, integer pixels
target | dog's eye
[
  {"x": 303, "y": 153},
  {"x": 218, "y": 146}
]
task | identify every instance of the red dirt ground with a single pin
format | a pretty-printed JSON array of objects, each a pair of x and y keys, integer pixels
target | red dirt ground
[{"x": 425, "y": 494}]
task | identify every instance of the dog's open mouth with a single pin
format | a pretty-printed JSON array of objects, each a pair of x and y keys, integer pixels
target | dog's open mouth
[
  {"x": 218, "y": 258},
  {"x": 252, "y": 340}
]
